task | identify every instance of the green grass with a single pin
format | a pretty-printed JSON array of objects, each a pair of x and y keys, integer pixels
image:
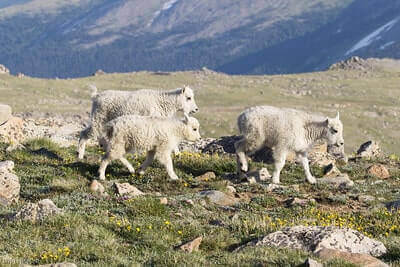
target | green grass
[
  {"x": 114, "y": 231},
  {"x": 368, "y": 102}
]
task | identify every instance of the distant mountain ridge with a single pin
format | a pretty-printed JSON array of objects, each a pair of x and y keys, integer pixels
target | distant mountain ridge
[{"x": 74, "y": 38}]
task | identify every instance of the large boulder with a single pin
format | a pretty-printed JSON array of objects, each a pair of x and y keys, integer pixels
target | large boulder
[
  {"x": 9, "y": 184},
  {"x": 315, "y": 238},
  {"x": 5, "y": 113},
  {"x": 35, "y": 212}
]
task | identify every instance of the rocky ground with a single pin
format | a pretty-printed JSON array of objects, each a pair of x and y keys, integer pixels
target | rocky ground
[{"x": 58, "y": 212}]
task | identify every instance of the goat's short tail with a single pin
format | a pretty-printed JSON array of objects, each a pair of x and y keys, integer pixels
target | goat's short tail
[{"x": 94, "y": 90}]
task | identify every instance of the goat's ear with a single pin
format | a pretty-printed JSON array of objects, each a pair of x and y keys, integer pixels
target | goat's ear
[
  {"x": 337, "y": 115},
  {"x": 326, "y": 122},
  {"x": 183, "y": 89},
  {"x": 186, "y": 118}
]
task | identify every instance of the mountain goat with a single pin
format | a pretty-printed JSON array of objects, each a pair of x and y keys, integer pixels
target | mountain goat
[
  {"x": 285, "y": 130},
  {"x": 111, "y": 104},
  {"x": 155, "y": 135}
]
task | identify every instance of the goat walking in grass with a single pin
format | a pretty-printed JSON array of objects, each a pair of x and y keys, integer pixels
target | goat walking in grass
[
  {"x": 285, "y": 130},
  {"x": 154, "y": 135},
  {"x": 111, "y": 104}
]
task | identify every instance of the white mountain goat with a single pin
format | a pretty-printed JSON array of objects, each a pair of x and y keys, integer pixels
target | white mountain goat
[
  {"x": 111, "y": 104},
  {"x": 285, "y": 130},
  {"x": 157, "y": 136}
]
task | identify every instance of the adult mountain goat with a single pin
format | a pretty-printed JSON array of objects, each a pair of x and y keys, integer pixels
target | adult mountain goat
[
  {"x": 284, "y": 130},
  {"x": 155, "y": 135},
  {"x": 111, "y": 104}
]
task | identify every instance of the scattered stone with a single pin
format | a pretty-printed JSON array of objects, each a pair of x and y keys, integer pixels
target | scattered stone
[
  {"x": 315, "y": 238},
  {"x": 231, "y": 189},
  {"x": 35, "y": 212},
  {"x": 378, "y": 170},
  {"x": 12, "y": 130},
  {"x": 4, "y": 70},
  {"x": 9, "y": 184},
  {"x": 99, "y": 72},
  {"x": 366, "y": 198},
  {"x": 164, "y": 200},
  {"x": 331, "y": 170},
  {"x": 294, "y": 201},
  {"x": 6, "y": 166},
  {"x": 5, "y": 113},
  {"x": 127, "y": 189},
  {"x": 96, "y": 186},
  {"x": 353, "y": 63},
  {"x": 358, "y": 259},
  {"x": 218, "y": 197},
  {"x": 312, "y": 263},
  {"x": 337, "y": 181},
  {"x": 275, "y": 187},
  {"x": 258, "y": 176},
  {"x": 393, "y": 205},
  {"x": 191, "y": 245},
  {"x": 190, "y": 202},
  {"x": 206, "y": 177},
  {"x": 369, "y": 149}
]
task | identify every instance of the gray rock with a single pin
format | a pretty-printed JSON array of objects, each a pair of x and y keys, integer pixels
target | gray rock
[
  {"x": 5, "y": 113},
  {"x": 218, "y": 197},
  {"x": 369, "y": 149},
  {"x": 366, "y": 198},
  {"x": 9, "y": 184},
  {"x": 337, "y": 181},
  {"x": 127, "y": 189},
  {"x": 35, "y": 212},
  {"x": 315, "y": 238}
]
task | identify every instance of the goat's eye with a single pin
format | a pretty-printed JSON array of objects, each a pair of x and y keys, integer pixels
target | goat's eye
[
  {"x": 194, "y": 129},
  {"x": 333, "y": 131},
  {"x": 189, "y": 98}
]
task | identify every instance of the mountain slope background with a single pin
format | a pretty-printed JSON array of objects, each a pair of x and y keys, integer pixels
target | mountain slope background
[
  {"x": 75, "y": 38},
  {"x": 62, "y": 38}
]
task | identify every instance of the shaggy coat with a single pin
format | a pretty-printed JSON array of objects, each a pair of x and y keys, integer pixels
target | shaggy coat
[
  {"x": 111, "y": 104},
  {"x": 284, "y": 130},
  {"x": 155, "y": 135}
]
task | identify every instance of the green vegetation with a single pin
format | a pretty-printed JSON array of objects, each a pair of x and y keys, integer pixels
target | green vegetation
[
  {"x": 114, "y": 231},
  {"x": 368, "y": 101}
]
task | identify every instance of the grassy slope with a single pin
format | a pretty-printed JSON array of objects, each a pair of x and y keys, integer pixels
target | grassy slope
[
  {"x": 97, "y": 231},
  {"x": 368, "y": 102}
]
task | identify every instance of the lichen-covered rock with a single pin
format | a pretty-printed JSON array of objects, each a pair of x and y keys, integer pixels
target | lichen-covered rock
[
  {"x": 12, "y": 130},
  {"x": 218, "y": 197},
  {"x": 206, "y": 176},
  {"x": 337, "y": 181},
  {"x": 315, "y": 238},
  {"x": 9, "y": 184},
  {"x": 127, "y": 189},
  {"x": 36, "y": 212}
]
